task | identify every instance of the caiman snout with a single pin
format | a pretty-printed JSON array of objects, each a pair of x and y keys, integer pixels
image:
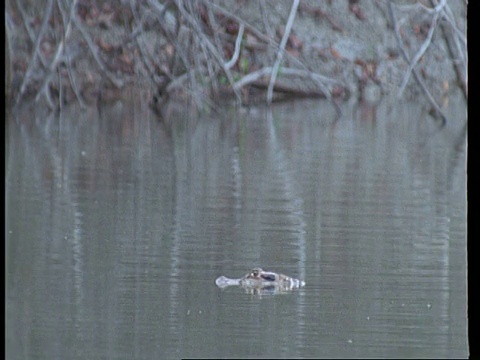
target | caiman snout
[{"x": 223, "y": 281}]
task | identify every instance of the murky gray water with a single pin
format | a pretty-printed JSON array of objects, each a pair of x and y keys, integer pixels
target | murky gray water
[{"x": 117, "y": 226}]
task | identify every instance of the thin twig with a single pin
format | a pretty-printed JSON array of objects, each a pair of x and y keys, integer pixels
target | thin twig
[
  {"x": 202, "y": 38},
  {"x": 146, "y": 61},
  {"x": 60, "y": 91},
  {"x": 30, "y": 32},
  {"x": 448, "y": 15},
  {"x": 268, "y": 29},
  {"x": 61, "y": 46},
  {"x": 283, "y": 43},
  {"x": 35, "y": 50},
  {"x": 238, "y": 41},
  {"x": 239, "y": 20},
  {"x": 144, "y": 54},
  {"x": 178, "y": 82},
  {"x": 268, "y": 70},
  {"x": 117, "y": 82},
  {"x": 168, "y": 20},
  {"x": 213, "y": 27},
  {"x": 216, "y": 38},
  {"x": 169, "y": 33},
  {"x": 454, "y": 42},
  {"x": 415, "y": 72},
  {"x": 317, "y": 78},
  {"x": 435, "y": 10},
  {"x": 269, "y": 40},
  {"x": 73, "y": 82},
  {"x": 419, "y": 53},
  {"x": 211, "y": 72}
]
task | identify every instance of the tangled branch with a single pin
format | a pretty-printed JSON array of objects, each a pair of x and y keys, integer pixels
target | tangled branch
[
  {"x": 413, "y": 62},
  {"x": 203, "y": 49}
]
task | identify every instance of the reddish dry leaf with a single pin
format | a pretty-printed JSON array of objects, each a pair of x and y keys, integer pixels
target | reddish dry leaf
[
  {"x": 445, "y": 85},
  {"x": 392, "y": 54},
  {"x": 169, "y": 50},
  {"x": 104, "y": 45},
  {"x": 424, "y": 72},
  {"x": 163, "y": 69},
  {"x": 337, "y": 91},
  {"x": 357, "y": 11},
  {"x": 322, "y": 52},
  {"x": 295, "y": 42},
  {"x": 335, "y": 53},
  {"x": 126, "y": 57},
  {"x": 89, "y": 77},
  {"x": 93, "y": 13},
  {"x": 293, "y": 52},
  {"x": 47, "y": 48},
  {"x": 232, "y": 27},
  {"x": 280, "y": 31},
  {"x": 105, "y": 20},
  {"x": 106, "y": 7},
  {"x": 370, "y": 69},
  {"x": 359, "y": 62}
]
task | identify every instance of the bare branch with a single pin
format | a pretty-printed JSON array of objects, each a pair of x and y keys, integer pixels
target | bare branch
[
  {"x": 436, "y": 8},
  {"x": 36, "y": 51},
  {"x": 117, "y": 82},
  {"x": 30, "y": 32},
  {"x": 234, "y": 58},
  {"x": 59, "y": 52},
  {"x": 419, "y": 53},
  {"x": 248, "y": 27},
  {"x": 203, "y": 39},
  {"x": 288, "y": 28},
  {"x": 415, "y": 72},
  {"x": 74, "y": 83},
  {"x": 268, "y": 70},
  {"x": 268, "y": 29},
  {"x": 457, "y": 45}
]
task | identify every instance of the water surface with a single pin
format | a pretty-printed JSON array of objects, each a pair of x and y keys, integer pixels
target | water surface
[{"x": 117, "y": 225}]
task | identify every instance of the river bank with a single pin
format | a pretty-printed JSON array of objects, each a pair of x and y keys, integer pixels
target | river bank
[{"x": 247, "y": 51}]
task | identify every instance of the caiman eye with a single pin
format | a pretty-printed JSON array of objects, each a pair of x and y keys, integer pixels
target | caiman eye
[{"x": 268, "y": 277}]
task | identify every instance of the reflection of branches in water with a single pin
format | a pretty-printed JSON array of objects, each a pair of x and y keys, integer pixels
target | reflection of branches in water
[
  {"x": 457, "y": 164},
  {"x": 295, "y": 200},
  {"x": 290, "y": 193}
]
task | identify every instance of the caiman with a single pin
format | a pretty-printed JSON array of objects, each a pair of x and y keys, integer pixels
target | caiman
[{"x": 258, "y": 278}]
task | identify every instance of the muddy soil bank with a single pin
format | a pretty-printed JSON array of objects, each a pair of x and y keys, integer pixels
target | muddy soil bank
[{"x": 93, "y": 50}]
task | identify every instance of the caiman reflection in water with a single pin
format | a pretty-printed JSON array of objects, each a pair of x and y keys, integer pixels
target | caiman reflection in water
[{"x": 259, "y": 282}]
